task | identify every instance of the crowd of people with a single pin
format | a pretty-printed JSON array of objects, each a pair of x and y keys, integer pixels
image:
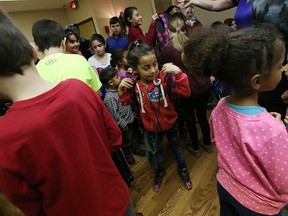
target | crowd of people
[{"x": 72, "y": 124}]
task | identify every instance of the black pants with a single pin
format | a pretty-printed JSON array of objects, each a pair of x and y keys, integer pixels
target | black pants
[{"x": 192, "y": 106}]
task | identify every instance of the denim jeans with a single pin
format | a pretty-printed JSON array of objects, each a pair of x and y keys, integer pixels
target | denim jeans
[{"x": 155, "y": 148}]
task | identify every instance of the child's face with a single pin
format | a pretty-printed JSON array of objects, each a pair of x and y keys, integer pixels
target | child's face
[
  {"x": 115, "y": 81},
  {"x": 276, "y": 74},
  {"x": 124, "y": 61},
  {"x": 147, "y": 67},
  {"x": 136, "y": 19},
  {"x": 72, "y": 44},
  {"x": 116, "y": 29},
  {"x": 98, "y": 47}
]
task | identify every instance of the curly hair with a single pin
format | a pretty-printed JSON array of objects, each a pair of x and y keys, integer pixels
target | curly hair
[{"x": 235, "y": 57}]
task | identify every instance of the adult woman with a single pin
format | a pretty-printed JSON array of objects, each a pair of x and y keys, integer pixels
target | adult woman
[{"x": 243, "y": 15}]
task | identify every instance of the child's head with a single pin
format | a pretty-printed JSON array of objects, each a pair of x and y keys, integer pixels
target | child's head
[
  {"x": 74, "y": 28},
  {"x": 115, "y": 26},
  {"x": 132, "y": 16},
  {"x": 141, "y": 57},
  {"x": 231, "y": 23},
  {"x": 248, "y": 60},
  {"x": 119, "y": 58},
  {"x": 47, "y": 33},
  {"x": 15, "y": 50},
  {"x": 189, "y": 12},
  {"x": 110, "y": 78},
  {"x": 72, "y": 42},
  {"x": 98, "y": 44},
  {"x": 177, "y": 32}
]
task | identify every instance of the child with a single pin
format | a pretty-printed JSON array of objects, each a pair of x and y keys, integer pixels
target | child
[
  {"x": 133, "y": 20},
  {"x": 101, "y": 58},
  {"x": 251, "y": 143},
  {"x": 156, "y": 109},
  {"x": 72, "y": 43},
  {"x": 56, "y": 140},
  {"x": 196, "y": 103},
  {"x": 119, "y": 61},
  {"x": 123, "y": 115}
]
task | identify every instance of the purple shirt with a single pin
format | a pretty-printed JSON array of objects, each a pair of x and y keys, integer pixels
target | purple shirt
[
  {"x": 243, "y": 15},
  {"x": 120, "y": 42}
]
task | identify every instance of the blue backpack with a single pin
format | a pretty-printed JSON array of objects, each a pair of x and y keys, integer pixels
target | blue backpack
[{"x": 220, "y": 90}]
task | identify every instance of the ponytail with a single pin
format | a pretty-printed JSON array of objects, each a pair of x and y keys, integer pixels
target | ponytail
[{"x": 177, "y": 26}]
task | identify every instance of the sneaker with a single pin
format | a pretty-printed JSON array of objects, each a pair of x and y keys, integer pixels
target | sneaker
[
  {"x": 194, "y": 152},
  {"x": 186, "y": 179},
  {"x": 139, "y": 151},
  {"x": 129, "y": 158},
  {"x": 207, "y": 148}
]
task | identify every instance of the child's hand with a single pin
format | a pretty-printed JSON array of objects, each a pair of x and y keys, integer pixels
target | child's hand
[
  {"x": 155, "y": 16},
  {"x": 276, "y": 115},
  {"x": 286, "y": 120},
  {"x": 284, "y": 95},
  {"x": 170, "y": 68},
  {"x": 125, "y": 83}
]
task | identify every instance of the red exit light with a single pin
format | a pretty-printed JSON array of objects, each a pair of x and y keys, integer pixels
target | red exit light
[{"x": 74, "y": 5}]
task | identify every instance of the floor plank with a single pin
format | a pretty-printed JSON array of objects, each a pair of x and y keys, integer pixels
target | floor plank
[{"x": 174, "y": 199}]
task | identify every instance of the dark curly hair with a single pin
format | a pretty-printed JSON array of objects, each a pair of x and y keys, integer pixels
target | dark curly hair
[{"x": 235, "y": 57}]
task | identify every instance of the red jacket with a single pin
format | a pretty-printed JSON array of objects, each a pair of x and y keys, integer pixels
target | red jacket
[
  {"x": 151, "y": 108},
  {"x": 136, "y": 33}
]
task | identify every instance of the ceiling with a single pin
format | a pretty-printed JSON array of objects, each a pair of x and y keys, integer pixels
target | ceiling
[{"x": 29, "y": 5}]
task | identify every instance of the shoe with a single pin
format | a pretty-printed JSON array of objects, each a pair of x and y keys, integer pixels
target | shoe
[
  {"x": 158, "y": 181},
  {"x": 194, "y": 152},
  {"x": 129, "y": 158},
  {"x": 139, "y": 152},
  {"x": 186, "y": 179},
  {"x": 207, "y": 148}
]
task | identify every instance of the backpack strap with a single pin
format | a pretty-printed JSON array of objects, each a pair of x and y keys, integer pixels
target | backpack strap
[{"x": 165, "y": 23}]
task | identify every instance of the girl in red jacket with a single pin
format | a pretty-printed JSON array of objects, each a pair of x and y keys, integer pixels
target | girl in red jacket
[
  {"x": 156, "y": 109},
  {"x": 133, "y": 20}
]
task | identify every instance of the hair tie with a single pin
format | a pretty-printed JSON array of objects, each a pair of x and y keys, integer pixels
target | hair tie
[
  {"x": 136, "y": 43},
  {"x": 178, "y": 29},
  {"x": 121, "y": 14}
]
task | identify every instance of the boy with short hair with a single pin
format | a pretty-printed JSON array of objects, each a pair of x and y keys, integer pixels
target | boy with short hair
[
  {"x": 56, "y": 66},
  {"x": 123, "y": 115},
  {"x": 56, "y": 140},
  {"x": 118, "y": 40}
]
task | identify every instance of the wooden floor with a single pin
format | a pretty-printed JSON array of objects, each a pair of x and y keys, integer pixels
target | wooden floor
[{"x": 174, "y": 199}]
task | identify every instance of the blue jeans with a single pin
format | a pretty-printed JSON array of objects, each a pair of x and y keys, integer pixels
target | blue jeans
[
  {"x": 229, "y": 206},
  {"x": 154, "y": 145}
]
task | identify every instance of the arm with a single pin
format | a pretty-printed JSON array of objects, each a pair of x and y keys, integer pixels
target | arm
[
  {"x": 182, "y": 87},
  {"x": 125, "y": 97},
  {"x": 212, "y": 5},
  {"x": 7, "y": 208},
  {"x": 137, "y": 34}
]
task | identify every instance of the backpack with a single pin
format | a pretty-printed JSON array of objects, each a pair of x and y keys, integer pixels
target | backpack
[
  {"x": 162, "y": 34},
  {"x": 220, "y": 90}
]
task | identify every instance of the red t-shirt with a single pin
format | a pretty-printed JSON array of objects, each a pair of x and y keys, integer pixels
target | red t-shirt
[
  {"x": 55, "y": 154},
  {"x": 136, "y": 33}
]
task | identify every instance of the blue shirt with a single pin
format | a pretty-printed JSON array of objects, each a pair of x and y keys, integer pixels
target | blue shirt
[
  {"x": 120, "y": 42},
  {"x": 243, "y": 15}
]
